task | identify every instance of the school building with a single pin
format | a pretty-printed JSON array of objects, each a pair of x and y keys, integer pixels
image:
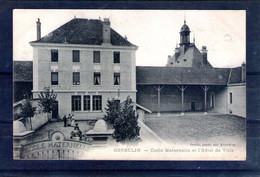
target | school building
[{"x": 86, "y": 62}]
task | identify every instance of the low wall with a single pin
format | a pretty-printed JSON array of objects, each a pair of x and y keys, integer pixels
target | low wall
[
  {"x": 141, "y": 115},
  {"x": 37, "y": 120}
]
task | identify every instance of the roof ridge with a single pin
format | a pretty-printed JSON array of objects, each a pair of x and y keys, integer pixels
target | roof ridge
[{"x": 83, "y": 31}]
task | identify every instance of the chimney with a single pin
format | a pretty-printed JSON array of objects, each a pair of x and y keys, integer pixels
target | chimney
[
  {"x": 243, "y": 72},
  {"x": 106, "y": 31},
  {"x": 38, "y": 29},
  {"x": 204, "y": 52}
]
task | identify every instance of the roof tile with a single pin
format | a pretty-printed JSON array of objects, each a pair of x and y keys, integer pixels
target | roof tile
[{"x": 83, "y": 31}]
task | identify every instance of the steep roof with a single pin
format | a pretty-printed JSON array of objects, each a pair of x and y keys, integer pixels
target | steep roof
[
  {"x": 181, "y": 75},
  {"x": 83, "y": 31},
  {"x": 236, "y": 75},
  {"x": 22, "y": 71},
  {"x": 192, "y": 57}
]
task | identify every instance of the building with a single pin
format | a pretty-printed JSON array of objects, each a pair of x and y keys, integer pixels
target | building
[
  {"x": 189, "y": 83},
  {"x": 86, "y": 63},
  {"x": 22, "y": 80},
  {"x": 188, "y": 55}
]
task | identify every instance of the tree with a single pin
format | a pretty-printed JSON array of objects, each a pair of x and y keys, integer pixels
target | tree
[
  {"x": 28, "y": 111},
  {"x": 126, "y": 126},
  {"x": 112, "y": 111},
  {"x": 47, "y": 98}
]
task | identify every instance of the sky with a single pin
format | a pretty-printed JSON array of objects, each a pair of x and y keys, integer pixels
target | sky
[{"x": 155, "y": 32}]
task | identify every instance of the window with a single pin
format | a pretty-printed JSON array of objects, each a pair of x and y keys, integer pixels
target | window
[
  {"x": 230, "y": 97},
  {"x": 97, "y": 78},
  {"x": 54, "y": 78},
  {"x": 54, "y": 56},
  {"x": 75, "y": 56},
  {"x": 96, "y": 57},
  {"x": 116, "y": 57},
  {"x": 97, "y": 103},
  {"x": 76, "y": 103},
  {"x": 76, "y": 78},
  {"x": 86, "y": 103},
  {"x": 116, "y": 78}
]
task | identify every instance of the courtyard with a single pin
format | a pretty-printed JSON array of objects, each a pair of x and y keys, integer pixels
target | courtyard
[
  {"x": 42, "y": 133},
  {"x": 198, "y": 128}
]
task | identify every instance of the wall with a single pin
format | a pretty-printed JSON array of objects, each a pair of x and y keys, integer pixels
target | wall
[
  {"x": 147, "y": 96},
  {"x": 86, "y": 67},
  {"x": 238, "y": 106},
  {"x": 64, "y": 101},
  {"x": 220, "y": 100},
  {"x": 38, "y": 120},
  {"x": 141, "y": 115}
]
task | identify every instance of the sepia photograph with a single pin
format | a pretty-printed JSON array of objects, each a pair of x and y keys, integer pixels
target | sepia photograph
[{"x": 129, "y": 85}]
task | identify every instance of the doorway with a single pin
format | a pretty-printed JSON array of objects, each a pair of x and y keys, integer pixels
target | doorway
[
  {"x": 212, "y": 100},
  {"x": 55, "y": 111},
  {"x": 193, "y": 106}
]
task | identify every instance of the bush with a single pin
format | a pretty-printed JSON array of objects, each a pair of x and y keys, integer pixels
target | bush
[
  {"x": 112, "y": 110},
  {"x": 28, "y": 111},
  {"x": 47, "y": 99},
  {"x": 126, "y": 125}
]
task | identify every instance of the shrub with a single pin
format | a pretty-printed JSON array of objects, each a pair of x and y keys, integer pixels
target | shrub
[
  {"x": 47, "y": 99},
  {"x": 112, "y": 111},
  {"x": 28, "y": 111},
  {"x": 126, "y": 125}
]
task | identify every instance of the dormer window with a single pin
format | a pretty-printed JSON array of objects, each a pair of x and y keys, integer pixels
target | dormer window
[{"x": 184, "y": 59}]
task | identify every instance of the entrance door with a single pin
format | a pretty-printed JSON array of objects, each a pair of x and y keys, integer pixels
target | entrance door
[
  {"x": 55, "y": 111},
  {"x": 193, "y": 106}
]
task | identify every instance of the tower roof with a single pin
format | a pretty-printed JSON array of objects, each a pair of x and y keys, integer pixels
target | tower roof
[{"x": 185, "y": 27}]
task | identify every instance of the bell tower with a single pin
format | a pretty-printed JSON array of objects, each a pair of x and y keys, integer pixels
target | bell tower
[{"x": 185, "y": 36}]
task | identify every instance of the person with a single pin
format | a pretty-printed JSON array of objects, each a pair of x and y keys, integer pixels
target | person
[
  {"x": 76, "y": 126},
  {"x": 72, "y": 120},
  {"x": 69, "y": 120},
  {"x": 65, "y": 120},
  {"x": 76, "y": 134}
]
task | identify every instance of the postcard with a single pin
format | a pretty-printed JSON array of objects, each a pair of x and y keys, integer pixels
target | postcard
[{"x": 129, "y": 84}]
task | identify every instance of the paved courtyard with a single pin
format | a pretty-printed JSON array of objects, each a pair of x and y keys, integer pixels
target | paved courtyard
[{"x": 198, "y": 128}]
